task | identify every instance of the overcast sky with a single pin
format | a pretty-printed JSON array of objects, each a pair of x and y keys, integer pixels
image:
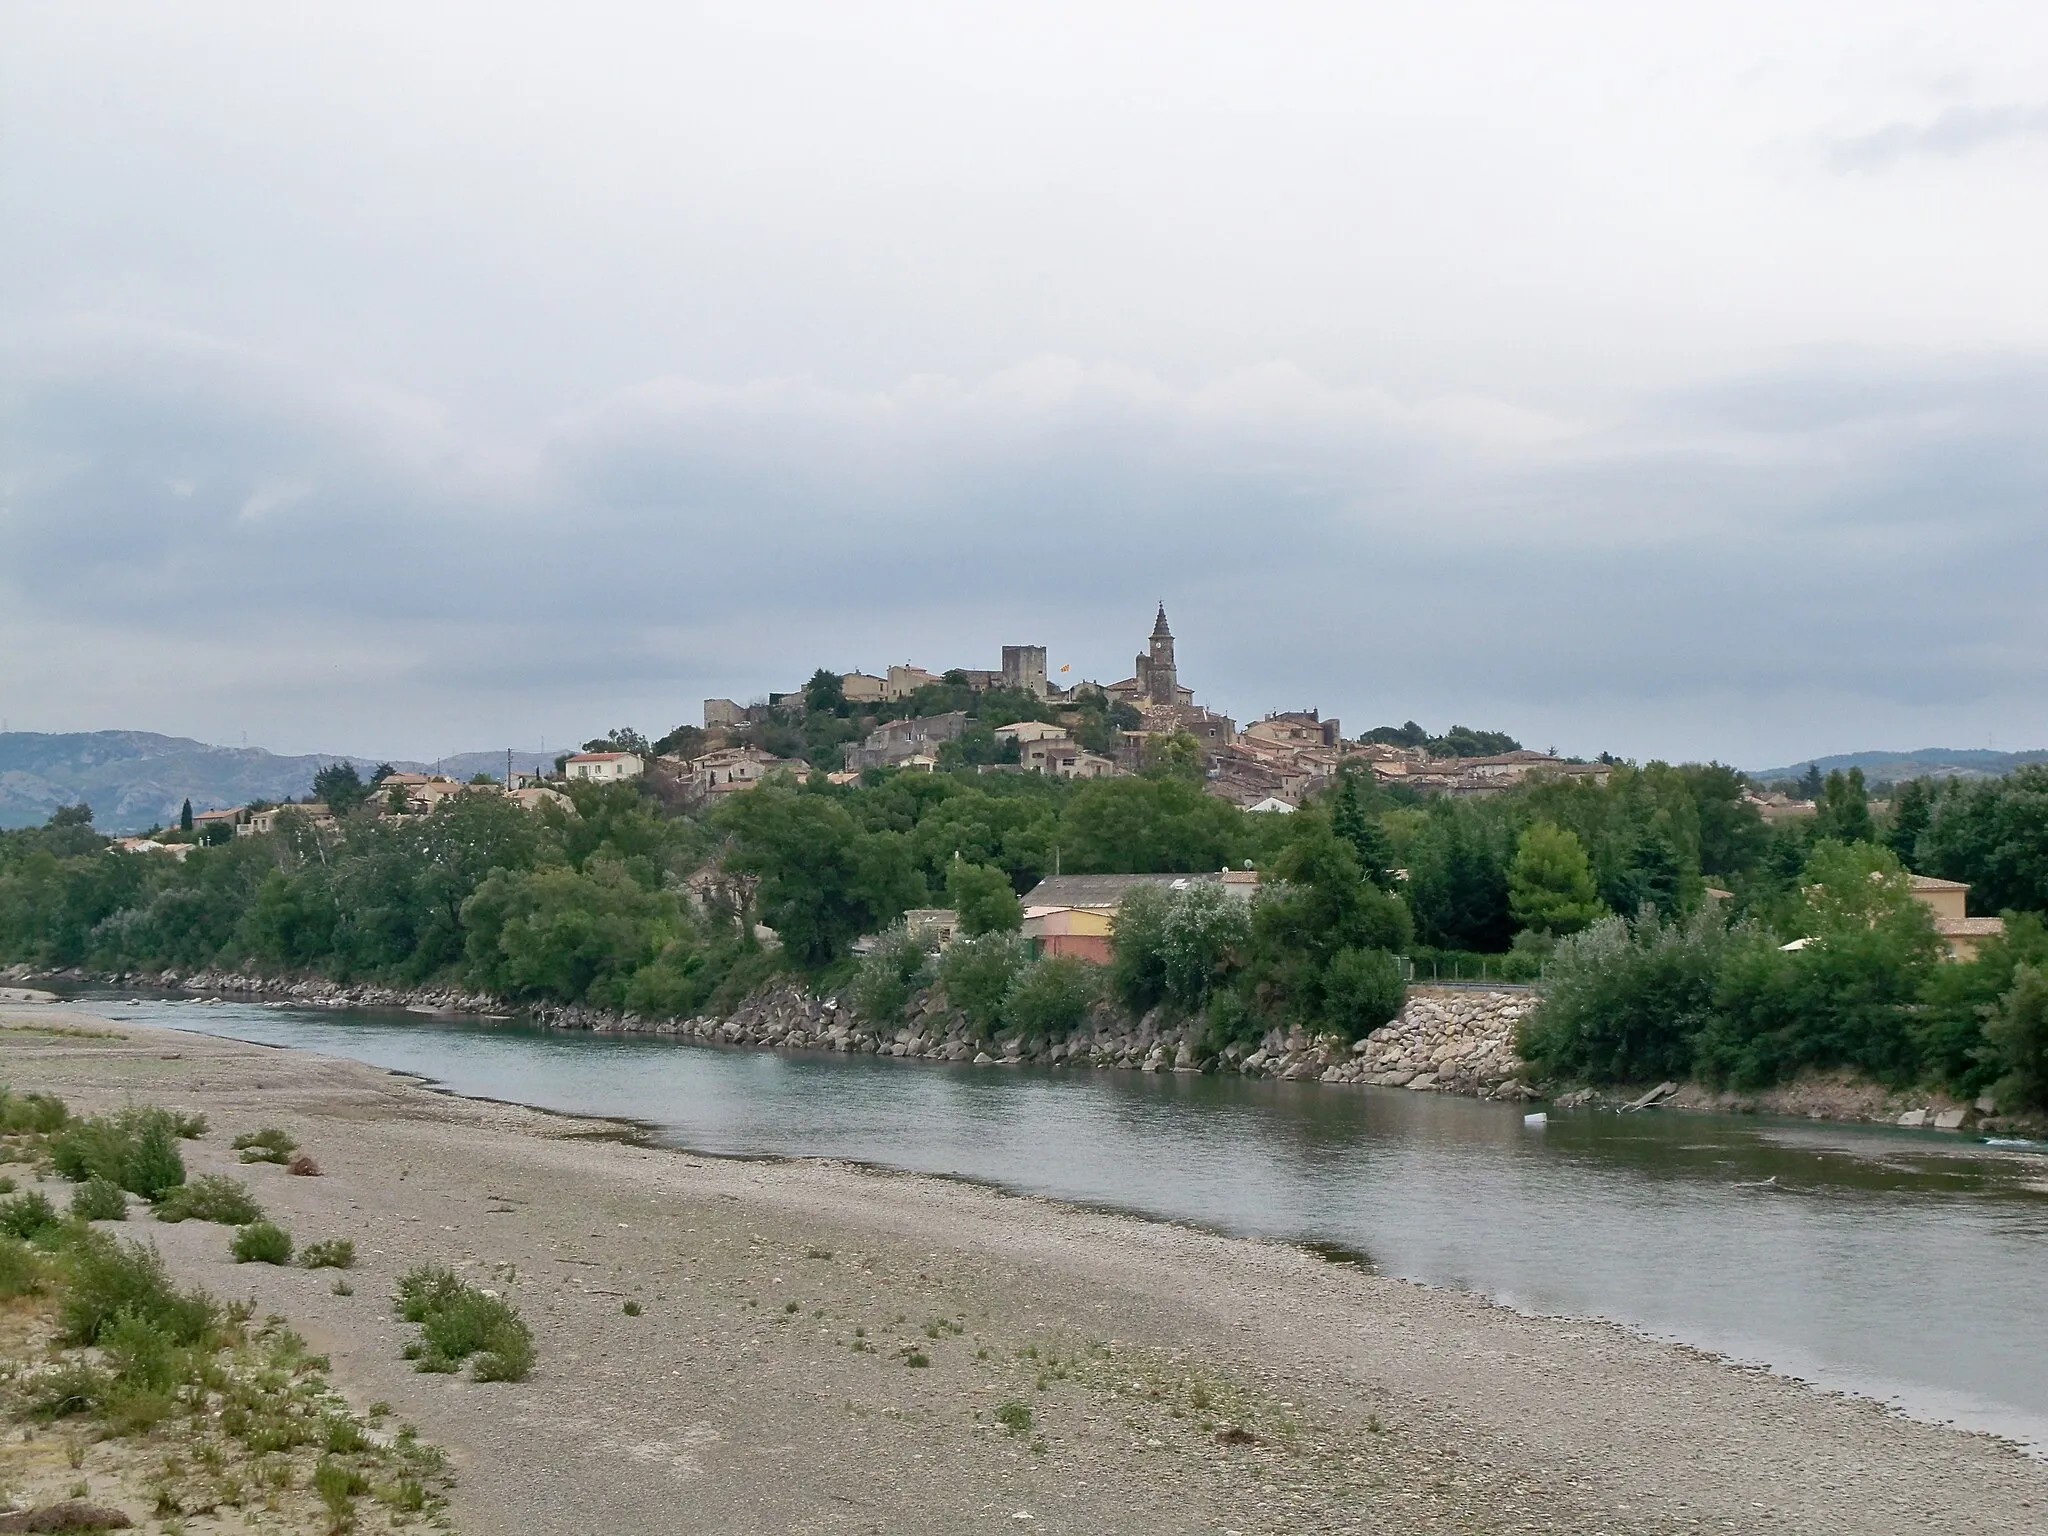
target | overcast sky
[{"x": 415, "y": 378}]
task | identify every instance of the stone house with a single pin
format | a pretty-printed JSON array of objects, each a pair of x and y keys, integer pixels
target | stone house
[
  {"x": 1061, "y": 757},
  {"x": 905, "y": 680},
  {"x": 862, "y": 688},
  {"x": 263, "y": 823},
  {"x": 727, "y": 770},
  {"x": 895, "y": 741},
  {"x": 1022, "y": 731}
]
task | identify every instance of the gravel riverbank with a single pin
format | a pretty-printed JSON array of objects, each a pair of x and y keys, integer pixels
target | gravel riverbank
[{"x": 1175, "y": 1380}]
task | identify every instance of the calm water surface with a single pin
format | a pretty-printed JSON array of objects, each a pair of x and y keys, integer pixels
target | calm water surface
[{"x": 1905, "y": 1266}]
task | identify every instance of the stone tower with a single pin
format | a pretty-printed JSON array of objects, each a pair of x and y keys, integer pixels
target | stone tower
[
  {"x": 1024, "y": 669},
  {"x": 1158, "y": 678}
]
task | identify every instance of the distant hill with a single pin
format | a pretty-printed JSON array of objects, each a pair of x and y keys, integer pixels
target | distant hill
[
  {"x": 1928, "y": 762},
  {"x": 137, "y": 779}
]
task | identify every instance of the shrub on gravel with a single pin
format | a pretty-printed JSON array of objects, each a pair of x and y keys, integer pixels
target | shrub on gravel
[
  {"x": 211, "y": 1197},
  {"x": 262, "y": 1242},
  {"x": 458, "y": 1322},
  {"x": 1015, "y": 1417},
  {"x": 269, "y": 1145},
  {"x": 136, "y": 1149},
  {"x": 30, "y": 1114},
  {"x": 28, "y": 1216},
  {"x": 105, "y": 1278},
  {"x": 329, "y": 1253},
  {"x": 99, "y": 1199},
  {"x": 22, "y": 1272}
]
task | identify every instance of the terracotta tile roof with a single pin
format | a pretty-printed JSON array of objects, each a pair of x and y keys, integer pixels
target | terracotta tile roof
[{"x": 1969, "y": 927}]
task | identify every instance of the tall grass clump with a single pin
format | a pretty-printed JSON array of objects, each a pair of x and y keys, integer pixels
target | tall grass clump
[{"x": 458, "y": 1322}]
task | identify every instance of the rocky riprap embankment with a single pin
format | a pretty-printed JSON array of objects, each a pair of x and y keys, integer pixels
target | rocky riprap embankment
[
  {"x": 1448, "y": 1041},
  {"x": 1445, "y": 1040},
  {"x": 313, "y": 992},
  {"x": 1453, "y": 1041}
]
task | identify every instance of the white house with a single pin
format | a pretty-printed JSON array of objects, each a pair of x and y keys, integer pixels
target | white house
[{"x": 605, "y": 767}]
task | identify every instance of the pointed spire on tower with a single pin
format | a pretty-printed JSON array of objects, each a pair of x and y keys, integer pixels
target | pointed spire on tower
[{"x": 1159, "y": 629}]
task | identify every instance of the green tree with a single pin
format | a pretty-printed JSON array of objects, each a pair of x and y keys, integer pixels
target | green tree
[
  {"x": 340, "y": 788},
  {"x": 1049, "y": 998},
  {"x": 1315, "y": 904},
  {"x": 982, "y": 896},
  {"x": 1178, "y": 756},
  {"x": 1457, "y": 880},
  {"x": 1844, "y": 809},
  {"x": 621, "y": 738},
  {"x": 889, "y": 973},
  {"x": 1205, "y": 939},
  {"x": 1624, "y": 1001},
  {"x": 823, "y": 881},
  {"x": 1148, "y": 826},
  {"x": 1732, "y": 832},
  {"x": 1350, "y": 820},
  {"x": 1137, "y": 966},
  {"x": 568, "y": 934},
  {"x": 977, "y": 974},
  {"x": 825, "y": 693},
  {"x": 1912, "y": 814},
  {"x": 1653, "y": 876},
  {"x": 1362, "y": 989},
  {"x": 1550, "y": 883},
  {"x": 2018, "y": 1036},
  {"x": 185, "y": 817},
  {"x": 1994, "y": 835}
]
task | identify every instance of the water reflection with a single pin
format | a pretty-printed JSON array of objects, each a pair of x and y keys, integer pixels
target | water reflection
[{"x": 1877, "y": 1261}]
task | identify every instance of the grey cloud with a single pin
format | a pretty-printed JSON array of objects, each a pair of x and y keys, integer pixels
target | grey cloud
[
  {"x": 1870, "y": 531},
  {"x": 1949, "y": 135}
]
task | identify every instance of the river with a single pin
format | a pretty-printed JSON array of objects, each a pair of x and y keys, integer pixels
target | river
[{"x": 1905, "y": 1266}]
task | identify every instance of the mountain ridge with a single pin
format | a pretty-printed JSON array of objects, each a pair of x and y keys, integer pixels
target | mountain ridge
[
  {"x": 1927, "y": 762},
  {"x": 138, "y": 779}
]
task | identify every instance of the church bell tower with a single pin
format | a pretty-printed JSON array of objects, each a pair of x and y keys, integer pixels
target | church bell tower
[{"x": 1161, "y": 676}]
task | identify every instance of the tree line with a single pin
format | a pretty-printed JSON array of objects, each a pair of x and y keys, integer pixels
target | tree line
[{"x": 627, "y": 903}]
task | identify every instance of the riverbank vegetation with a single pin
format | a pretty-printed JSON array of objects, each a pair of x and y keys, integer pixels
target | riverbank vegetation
[
  {"x": 1663, "y": 882},
  {"x": 166, "y": 1402},
  {"x": 1864, "y": 985}
]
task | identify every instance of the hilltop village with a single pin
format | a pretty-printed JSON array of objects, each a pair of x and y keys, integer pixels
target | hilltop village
[
  {"x": 1018, "y": 718},
  {"x": 1014, "y": 718}
]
